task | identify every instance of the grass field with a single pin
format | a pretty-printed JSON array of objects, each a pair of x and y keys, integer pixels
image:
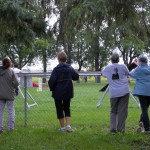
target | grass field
[{"x": 90, "y": 124}]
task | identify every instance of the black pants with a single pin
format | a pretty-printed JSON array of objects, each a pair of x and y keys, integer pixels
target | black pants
[
  {"x": 17, "y": 91},
  {"x": 62, "y": 108},
  {"x": 145, "y": 102}
]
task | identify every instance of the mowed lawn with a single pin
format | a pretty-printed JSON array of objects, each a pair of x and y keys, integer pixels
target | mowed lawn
[{"x": 90, "y": 124}]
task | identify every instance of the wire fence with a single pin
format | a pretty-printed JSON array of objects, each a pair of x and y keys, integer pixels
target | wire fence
[{"x": 34, "y": 106}]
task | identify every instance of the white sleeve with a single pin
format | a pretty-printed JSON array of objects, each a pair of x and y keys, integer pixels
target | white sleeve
[{"x": 105, "y": 72}]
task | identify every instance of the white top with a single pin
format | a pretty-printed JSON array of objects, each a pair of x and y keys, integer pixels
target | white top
[
  {"x": 16, "y": 70},
  {"x": 117, "y": 87}
]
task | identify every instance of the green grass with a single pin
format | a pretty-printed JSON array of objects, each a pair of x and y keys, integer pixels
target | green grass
[{"x": 90, "y": 124}]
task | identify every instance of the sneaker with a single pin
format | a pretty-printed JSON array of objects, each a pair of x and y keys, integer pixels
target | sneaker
[
  {"x": 69, "y": 129},
  {"x": 61, "y": 129},
  {"x": 1, "y": 131},
  {"x": 147, "y": 132},
  {"x": 113, "y": 132},
  {"x": 10, "y": 130},
  {"x": 140, "y": 127}
]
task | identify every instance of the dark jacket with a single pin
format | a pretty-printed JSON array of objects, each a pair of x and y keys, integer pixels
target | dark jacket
[
  {"x": 8, "y": 83},
  {"x": 60, "y": 82}
]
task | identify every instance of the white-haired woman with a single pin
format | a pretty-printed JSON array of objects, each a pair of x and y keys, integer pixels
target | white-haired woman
[
  {"x": 117, "y": 76},
  {"x": 142, "y": 90}
]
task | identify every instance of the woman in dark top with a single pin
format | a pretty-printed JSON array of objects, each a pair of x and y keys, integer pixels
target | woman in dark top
[{"x": 60, "y": 83}]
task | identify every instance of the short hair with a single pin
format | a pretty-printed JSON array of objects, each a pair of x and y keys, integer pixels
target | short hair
[
  {"x": 115, "y": 58},
  {"x": 143, "y": 59},
  {"x": 62, "y": 56},
  {"x": 7, "y": 62}
]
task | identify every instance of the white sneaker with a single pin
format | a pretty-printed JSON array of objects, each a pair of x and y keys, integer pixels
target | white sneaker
[
  {"x": 1, "y": 131},
  {"x": 147, "y": 132},
  {"x": 61, "y": 129},
  {"x": 140, "y": 127},
  {"x": 69, "y": 129}
]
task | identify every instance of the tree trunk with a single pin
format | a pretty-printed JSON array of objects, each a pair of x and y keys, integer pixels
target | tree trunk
[
  {"x": 69, "y": 53},
  {"x": 44, "y": 64}
]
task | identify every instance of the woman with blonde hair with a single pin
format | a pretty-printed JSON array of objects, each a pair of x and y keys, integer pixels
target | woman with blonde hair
[{"x": 60, "y": 83}]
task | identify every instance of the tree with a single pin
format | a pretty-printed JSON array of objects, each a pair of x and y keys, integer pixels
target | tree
[
  {"x": 125, "y": 28},
  {"x": 65, "y": 31},
  {"x": 22, "y": 24},
  {"x": 90, "y": 16},
  {"x": 120, "y": 20},
  {"x": 87, "y": 30},
  {"x": 45, "y": 49}
]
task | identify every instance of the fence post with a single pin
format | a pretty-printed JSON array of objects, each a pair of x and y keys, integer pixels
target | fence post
[
  {"x": 25, "y": 101},
  {"x": 97, "y": 78}
]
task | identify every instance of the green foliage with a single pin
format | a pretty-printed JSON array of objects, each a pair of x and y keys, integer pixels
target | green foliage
[
  {"x": 17, "y": 23},
  {"x": 100, "y": 25},
  {"x": 133, "y": 41},
  {"x": 41, "y": 44},
  {"x": 22, "y": 23},
  {"x": 118, "y": 24}
]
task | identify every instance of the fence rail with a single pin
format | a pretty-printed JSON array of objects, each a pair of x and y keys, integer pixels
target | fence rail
[{"x": 81, "y": 74}]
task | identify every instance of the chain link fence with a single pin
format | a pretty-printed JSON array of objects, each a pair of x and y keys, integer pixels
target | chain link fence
[{"x": 34, "y": 106}]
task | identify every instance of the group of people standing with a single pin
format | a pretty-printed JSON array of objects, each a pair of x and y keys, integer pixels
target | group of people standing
[
  {"x": 118, "y": 79},
  {"x": 60, "y": 83}
]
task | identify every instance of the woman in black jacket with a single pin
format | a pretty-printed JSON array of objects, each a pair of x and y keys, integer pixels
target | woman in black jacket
[{"x": 60, "y": 83}]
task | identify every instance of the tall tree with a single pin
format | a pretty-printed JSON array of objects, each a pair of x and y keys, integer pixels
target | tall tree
[
  {"x": 120, "y": 20},
  {"x": 22, "y": 24},
  {"x": 125, "y": 28}
]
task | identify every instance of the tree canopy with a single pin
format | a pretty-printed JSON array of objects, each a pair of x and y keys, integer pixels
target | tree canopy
[
  {"x": 20, "y": 25},
  {"x": 87, "y": 30}
]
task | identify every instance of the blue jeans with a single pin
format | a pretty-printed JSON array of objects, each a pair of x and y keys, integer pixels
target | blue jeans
[{"x": 11, "y": 113}]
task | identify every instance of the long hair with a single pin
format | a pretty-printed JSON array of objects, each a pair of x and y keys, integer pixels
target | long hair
[{"x": 7, "y": 63}]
